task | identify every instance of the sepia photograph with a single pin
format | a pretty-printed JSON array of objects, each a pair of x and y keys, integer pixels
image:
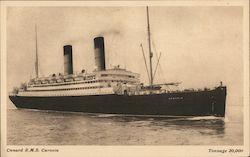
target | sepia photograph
[{"x": 124, "y": 74}]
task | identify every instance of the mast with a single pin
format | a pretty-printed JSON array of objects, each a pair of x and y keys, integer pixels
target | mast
[
  {"x": 36, "y": 63},
  {"x": 150, "y": 51}
]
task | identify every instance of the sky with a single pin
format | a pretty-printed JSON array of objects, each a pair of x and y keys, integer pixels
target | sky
[{"x": 200, "y": 45}]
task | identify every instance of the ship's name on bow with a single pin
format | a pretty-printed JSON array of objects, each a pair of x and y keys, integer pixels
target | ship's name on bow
[{"x": 175, "y": 98}]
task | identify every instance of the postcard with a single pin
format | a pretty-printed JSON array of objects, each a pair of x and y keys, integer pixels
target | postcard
[{"x": 125, "y": 78}]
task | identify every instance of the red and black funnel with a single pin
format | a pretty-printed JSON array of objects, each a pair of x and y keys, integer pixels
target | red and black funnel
[
  {"x": 68, "y": 62},
  {"x": 99, "y": 53}
]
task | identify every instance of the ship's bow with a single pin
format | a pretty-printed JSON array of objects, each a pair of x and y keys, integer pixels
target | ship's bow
[{"x": 219, "y": 103}]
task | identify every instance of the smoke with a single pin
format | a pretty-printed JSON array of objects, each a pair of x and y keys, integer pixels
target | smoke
[
  {"x": 110, "y": 32},
  {"x": 113, "y": 33}
]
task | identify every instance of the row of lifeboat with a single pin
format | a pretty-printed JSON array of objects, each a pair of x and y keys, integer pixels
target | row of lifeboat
[{"x": 60, "y": 79}]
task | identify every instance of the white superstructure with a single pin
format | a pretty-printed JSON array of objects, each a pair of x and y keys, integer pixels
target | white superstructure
[{"x": 111, "y": 81}]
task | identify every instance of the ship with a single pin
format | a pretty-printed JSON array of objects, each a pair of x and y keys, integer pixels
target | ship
[{"x": 115, "y": 90}]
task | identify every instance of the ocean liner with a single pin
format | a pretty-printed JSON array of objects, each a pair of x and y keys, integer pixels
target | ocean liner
[{"x": 115, "y": 91}]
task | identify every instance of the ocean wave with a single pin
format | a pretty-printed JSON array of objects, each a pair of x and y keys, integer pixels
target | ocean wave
[{"x": 205, "y": 118}]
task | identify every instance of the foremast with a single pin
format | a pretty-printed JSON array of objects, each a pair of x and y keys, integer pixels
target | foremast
[{"x": 36, "y": 63}]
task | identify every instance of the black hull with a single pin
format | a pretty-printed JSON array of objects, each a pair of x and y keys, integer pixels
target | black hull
[{"x": 196, "y": 103}]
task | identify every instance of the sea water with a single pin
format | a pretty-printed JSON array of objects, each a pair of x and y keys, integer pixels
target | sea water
[{"x": 32, "y": 127}]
